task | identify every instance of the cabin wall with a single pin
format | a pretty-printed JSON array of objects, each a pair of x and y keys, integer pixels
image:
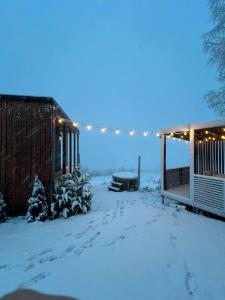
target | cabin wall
[{"x": 25, "y": 150}]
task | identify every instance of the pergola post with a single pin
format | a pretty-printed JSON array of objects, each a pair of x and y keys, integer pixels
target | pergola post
[
  {"x": 65, "y": 149},
  {"x": 70, "y": 151},
  {"x": 139, "y": 171},
  {"x": 192, "y": 160},
  {"x": 74, "y": 149},
  {"x": 163, "y": 163},
  {"x": 78, "y": 146}
]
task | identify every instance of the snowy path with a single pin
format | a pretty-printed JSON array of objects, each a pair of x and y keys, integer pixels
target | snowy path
[{"x": 128, "y": 247}]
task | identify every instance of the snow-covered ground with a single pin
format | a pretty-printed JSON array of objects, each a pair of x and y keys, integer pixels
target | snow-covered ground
[{"x": 129, "y": 246}]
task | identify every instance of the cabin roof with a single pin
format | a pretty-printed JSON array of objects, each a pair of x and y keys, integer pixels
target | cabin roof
[
  {"x": 50, "y": 100},
  {"x": 27, "y": 98},
  {"x": 201, "y": 125}
]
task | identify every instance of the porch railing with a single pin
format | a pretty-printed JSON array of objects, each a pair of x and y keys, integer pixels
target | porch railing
[{"x": 176, "y": 177}]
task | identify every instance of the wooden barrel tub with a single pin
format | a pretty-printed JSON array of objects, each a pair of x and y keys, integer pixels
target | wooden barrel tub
[{"x": 128, "y": 181}]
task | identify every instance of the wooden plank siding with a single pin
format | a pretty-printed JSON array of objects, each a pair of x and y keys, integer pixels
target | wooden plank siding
[{"x": 27, "y": 147}]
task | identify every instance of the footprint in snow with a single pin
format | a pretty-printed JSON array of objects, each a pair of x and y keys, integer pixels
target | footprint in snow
[
  {"x": 130, "y": 227},
  {"x": 70, "y": 248},
  {"x": 91, "y": 222},
  {"x": 105, "y": 219},
  {"x": 116, "y": 240},
  {"x": 173, "y": 240},
  {"x": 47, "y": 259},
  {"x": 190, "y": 283},
  {"x": 68, "y": 235},
  {"x": 88, "y": 244},
  {"x": 80, "y": 235},
  {"x": 121, "y": 211},
  {"x": 33, "y": 280},
  {"x": 39, "y": 254},
  {"x": 45, "y": 251},
  {"x": 3, "y": 267},
  {"x": 29, "y": 267},
  {"x": 41, "y": 260}
]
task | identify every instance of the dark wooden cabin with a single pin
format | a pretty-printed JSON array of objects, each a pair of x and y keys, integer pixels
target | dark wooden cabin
[{"x": 36, "y": 138}]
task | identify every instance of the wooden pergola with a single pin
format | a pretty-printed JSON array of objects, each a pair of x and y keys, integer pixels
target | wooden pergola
[{"x": 202, "y": 183}]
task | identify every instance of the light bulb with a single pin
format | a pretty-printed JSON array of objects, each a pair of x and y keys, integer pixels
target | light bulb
[
  {"x": 145, "y": 133},
  {"x": 88, "y": 127},
  {"x": 103, "y": 130}
]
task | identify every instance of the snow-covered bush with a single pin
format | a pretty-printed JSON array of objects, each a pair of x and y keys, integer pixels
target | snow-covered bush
[
  {"x": 3, "y": 213},
  {"x": 84, "y": 194},
  {"x": 38, "y": 207},
  {"x": 73, "y": 195}
]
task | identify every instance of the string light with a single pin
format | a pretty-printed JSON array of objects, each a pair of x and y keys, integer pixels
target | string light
[
  {"x": 89, "y": 127},
  {"x": 103, "y": 130},
  {"x": 132, "y": 132},
  {"x": 145, "y": 133}
]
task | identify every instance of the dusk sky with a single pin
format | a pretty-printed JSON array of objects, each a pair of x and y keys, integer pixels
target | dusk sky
[{"x": 121, "y": 64}]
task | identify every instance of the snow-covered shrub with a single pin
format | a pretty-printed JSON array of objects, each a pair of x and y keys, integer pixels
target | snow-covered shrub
[
  {"x": 73, "y": 195},
  {"x": 83, "y": 194},
  {"x": 65, "y": 198},
  {"x": 3, "y": 213},
  {"x": 38, "y": 207}
]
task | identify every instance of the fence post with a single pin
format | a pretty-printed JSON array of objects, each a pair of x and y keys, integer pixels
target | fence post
[{"x": 139, "y": 171}]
